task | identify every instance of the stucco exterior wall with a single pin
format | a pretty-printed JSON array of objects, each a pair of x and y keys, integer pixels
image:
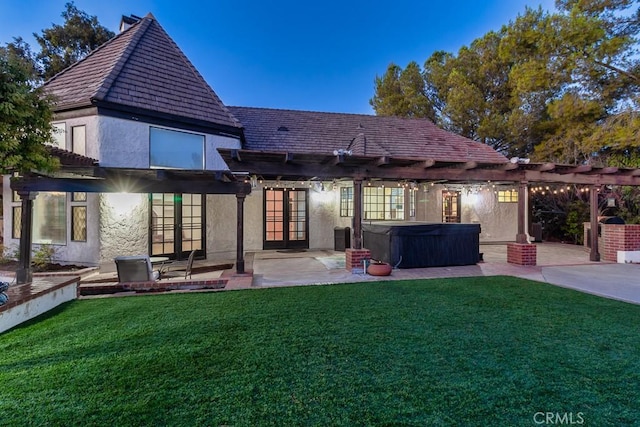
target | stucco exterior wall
[
  {"x": 221, "y": 216},
  {"x": 124, "y": 225},
  {"x": 125, "y": 143},
  {"x": 498, "y": 221}
]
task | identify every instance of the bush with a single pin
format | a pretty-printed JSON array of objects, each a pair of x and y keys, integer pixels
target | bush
[
  {"x": 43, "y": 256},
  {"x": 8, "y": 254},
  {"x": 578, "y": 213}
]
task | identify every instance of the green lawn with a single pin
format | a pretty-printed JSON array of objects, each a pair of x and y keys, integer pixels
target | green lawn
[{"x": 473, "y": 351}]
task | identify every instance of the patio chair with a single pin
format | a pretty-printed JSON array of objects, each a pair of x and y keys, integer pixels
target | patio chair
[
  {"x": 135, "y": 268},
  {"x": 179, "y": 267}
]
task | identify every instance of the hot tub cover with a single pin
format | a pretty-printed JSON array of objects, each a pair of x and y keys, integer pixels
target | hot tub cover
[{"x": 416, "y": 244}]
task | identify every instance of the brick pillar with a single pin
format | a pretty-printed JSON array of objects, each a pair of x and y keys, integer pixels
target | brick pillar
[
  {"x": 354, "y": 258},
  {"x": 521, "y": 253},
  {"x": 619, "y": 237}
]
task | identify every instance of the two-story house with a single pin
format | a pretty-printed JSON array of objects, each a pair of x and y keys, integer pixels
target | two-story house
[{"x": 138, "y": 103}]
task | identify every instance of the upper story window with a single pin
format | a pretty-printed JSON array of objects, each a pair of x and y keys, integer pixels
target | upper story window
[
  {"x": 60, "y": 135},
  {"x": 79, "y": 140},
  {"x": 173, "y": 149}
]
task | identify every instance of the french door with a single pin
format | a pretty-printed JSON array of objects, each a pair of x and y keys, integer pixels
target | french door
[
  {"x": 451, "y": 206},
  {"x": 286, "y": 222},
  {"x": 177, "y": 225}
]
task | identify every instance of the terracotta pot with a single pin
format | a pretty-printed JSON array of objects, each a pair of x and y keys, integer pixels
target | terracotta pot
[{"x": 383, "y": 269}]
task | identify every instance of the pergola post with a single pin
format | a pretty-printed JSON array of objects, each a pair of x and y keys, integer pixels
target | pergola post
[
  {"x": 523, "y": 192},
  {"x": 24, "y": 274},
  {"x": 522, "y": 252},
  {"x": 240, "y": 197},
  {"x": 594, "y": 254},
  {"x": 357, "y": 213}
]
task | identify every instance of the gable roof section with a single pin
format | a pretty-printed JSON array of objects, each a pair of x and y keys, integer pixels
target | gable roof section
[
  {"x": 140, "y": 68},
  {"x": 364, "y": 135}
]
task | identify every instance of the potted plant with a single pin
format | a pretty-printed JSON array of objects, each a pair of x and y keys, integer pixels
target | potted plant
[{"x": 379, "y": 268}]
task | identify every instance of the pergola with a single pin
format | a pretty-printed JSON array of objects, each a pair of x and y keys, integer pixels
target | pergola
[
  {"x": 293, "y": 166},
  {"x": 80, "y": 174}
]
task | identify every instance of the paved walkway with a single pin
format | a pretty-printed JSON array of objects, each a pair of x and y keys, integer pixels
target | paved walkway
[{"x": 558, "y": 264}]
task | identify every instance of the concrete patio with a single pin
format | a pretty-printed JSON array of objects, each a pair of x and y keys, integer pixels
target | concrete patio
[{"x": 558, "y": 264}]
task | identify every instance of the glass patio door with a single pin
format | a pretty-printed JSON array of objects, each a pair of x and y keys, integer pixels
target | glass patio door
[
  {"x": 451, "y": 206},
  {"x": 286, "y": 222},
  {"x": 177, "y": 225}
]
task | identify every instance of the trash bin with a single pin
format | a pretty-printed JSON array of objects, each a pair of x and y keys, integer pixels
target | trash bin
[
  {"x": 341, "y": 238},
  {"x": 536, "y": 231}
]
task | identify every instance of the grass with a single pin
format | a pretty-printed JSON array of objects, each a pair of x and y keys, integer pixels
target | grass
[{"x": 469, "y": 351}]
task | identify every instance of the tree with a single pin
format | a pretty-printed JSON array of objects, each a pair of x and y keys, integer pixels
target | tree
[
  {"x": 402, "y": 93},
  {"x": 560, "y": 86},
  {"x": 470, "y": 92},
  {"x": 63, "y": 45},
  {"x": 25, "y": 118}
]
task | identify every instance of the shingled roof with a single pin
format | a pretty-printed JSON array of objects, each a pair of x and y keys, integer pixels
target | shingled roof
[
  {"x": 141, "y": 68},
  {"x": 363, "y": 135}
]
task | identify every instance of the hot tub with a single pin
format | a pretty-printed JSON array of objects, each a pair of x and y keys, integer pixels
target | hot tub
[{"x": 419, "y": 244}]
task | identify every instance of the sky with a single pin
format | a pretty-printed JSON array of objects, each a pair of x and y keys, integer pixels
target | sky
[{"x": 301, "y": 55}]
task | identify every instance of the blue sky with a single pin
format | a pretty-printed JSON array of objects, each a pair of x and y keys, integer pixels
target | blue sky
[{"x": 318, "y": 56}]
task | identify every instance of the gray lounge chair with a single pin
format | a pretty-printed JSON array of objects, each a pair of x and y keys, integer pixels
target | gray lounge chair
[{"x": 135, "y": 268}]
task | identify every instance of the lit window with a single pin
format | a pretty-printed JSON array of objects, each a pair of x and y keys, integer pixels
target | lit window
[
  {"x": 79, "y": 216},
  {"x": 451, "y": 206},
  {"x": 412, "y": 203},
  {"x": 79, "y": 140},
  {"x": 179, "y": 150},
  {"x": 50, "y": 219},
  {"x": 346, "y": 201},
  {"x": 17, "y": 222},
  {"x": 79, "y": 223},
  {"x": 508, "y": 196},
  {"x": 383, "y": 203},
  {"x": 79, "y": 197},
  {"x": 59, "y": 135}
]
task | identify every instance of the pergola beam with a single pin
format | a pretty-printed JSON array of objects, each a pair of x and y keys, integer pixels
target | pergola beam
[
  {"x": 118, "y": 184},
  {"x": 426, "y": 169}
]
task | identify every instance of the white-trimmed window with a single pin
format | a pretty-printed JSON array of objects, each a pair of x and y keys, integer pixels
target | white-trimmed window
[
  {"x": 346, "y": 201},
  {"x": 383, "y": 203},
  {"x": 175, "y": 150},
  {"x": 50, "y": 218}
]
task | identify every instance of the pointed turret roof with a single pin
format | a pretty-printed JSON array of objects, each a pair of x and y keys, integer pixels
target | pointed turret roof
[{"x": 140, "y": 68}]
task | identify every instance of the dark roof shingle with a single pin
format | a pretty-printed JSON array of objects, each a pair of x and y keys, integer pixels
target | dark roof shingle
[
  {"x": 365, "y": 135},
  {"x": 142, "y": 67}
]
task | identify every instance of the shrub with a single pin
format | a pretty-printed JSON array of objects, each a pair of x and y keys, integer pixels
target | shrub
[
  {"x": 43, "y": 256},
  {"x": 8, "y": 254}
]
